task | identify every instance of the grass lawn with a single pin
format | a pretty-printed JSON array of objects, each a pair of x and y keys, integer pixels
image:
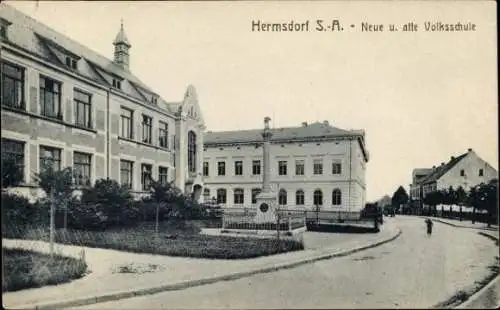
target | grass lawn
[
  {"x": 174, "y": 239},
  {"x": 26, "y": 269}
]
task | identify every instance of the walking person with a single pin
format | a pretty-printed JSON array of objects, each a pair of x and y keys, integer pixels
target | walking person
[{"x": 429, "y": 224}]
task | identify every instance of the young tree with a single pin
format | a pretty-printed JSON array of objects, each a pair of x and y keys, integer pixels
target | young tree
[
  {"x": 58, "y": 186},
  {"x": 400, "y": 197},
  {"x": 461, "y": 198},
  {"x": 433, "y": 199},
  {"x": 473, "y": 199},
  {"x": 486, "y": 198},
  {"x": 162, "y": 194}
]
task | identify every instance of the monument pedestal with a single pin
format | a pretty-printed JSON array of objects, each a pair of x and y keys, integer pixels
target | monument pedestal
[{"x": 266, "y": 208}]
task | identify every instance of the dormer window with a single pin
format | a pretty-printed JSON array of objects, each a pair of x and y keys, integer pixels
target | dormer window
[
  {"x": 71, "y": 62},
  {"x": 4, "y": 25},
  {"x": 117, "y": 84},
  {"x": 154, "y": 100}
]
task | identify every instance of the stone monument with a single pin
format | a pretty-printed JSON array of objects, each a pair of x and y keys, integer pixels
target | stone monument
[{"x": 266, "y": 200}]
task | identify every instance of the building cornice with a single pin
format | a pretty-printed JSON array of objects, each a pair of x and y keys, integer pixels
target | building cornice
[{"x": 281, "y": 141}]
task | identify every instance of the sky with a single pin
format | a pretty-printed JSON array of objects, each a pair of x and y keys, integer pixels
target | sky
[{"x": 420, "y": 96}]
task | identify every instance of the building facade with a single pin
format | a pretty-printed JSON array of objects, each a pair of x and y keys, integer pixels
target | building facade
[
  {"x": 311, "y": 165},
  {"x": 65, "y": 105},
  {"x": 466, "y": 170}
]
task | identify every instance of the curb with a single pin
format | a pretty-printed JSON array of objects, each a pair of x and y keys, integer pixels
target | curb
[
  {"x": 192, "y": 283},
  {"x": 460, "y": 226},
  {"x": 479, "y": 294}
]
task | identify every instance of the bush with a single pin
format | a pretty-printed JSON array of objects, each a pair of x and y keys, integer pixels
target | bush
[
  {"x": 27, "y": 269},
  {"x": 19, "y": 215}
]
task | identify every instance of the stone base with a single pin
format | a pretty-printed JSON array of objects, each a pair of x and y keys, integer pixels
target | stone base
[{"x": 266, "y": 207}]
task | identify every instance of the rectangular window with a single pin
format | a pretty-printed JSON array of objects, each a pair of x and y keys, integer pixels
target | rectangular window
[
  {"x": 50, "y": 98},
  {"x": 71, "y": 62},
  {"x": 255, "y": 193},
  {"x": 3, "y": 31},
  {"x": 318, "y": 166},
  {"x": 81, "y": 168},
  {"x": 82, "y": 109},
  {"x": 238, "y": 167},
  {"x": 14, "y": 150},
  {"x": 146, "y": 176},
  {"x": 117, "y": 84},
  {"x": 163, "y": 134},
  {"x": 163, "y": 175},
  {"x": 462, "y": 172},
  {"x": 205, "y": 169},
  {"x": 481, "y": 172},
  {"x": 13, "y": 86},
  {"x": 282, "y": 167},
  {"x": 299, "y": 167},
  {"x": 126, "y": 172},
  {"x": 256, "y": 167},
  {"x": 126, "y": 120},
  {"x": 147, "y": 127},
  {"x": 336, "y": 168},
  {"x": 221, "y": 168},
  {"x": 50, "y": 156}
]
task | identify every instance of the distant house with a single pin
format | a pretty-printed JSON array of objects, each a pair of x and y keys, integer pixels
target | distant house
[{"x": 466, "y": 170}]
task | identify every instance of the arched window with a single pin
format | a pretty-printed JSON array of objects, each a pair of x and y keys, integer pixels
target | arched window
[
  {"x": 238, "y": 196},
  {"x": 255, "y": 192},
  {"x": 336, "y": 197},
  {"x": 299, "y": 197},
  {"x": 221, "y": 195},
  {"x": 282, "y": 197},
  {"x": 191, "y": 151},
  {"x": 318, "y": 197}
]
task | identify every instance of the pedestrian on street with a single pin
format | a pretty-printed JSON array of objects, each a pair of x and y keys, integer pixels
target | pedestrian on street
[{"x": 429, "y": 226}]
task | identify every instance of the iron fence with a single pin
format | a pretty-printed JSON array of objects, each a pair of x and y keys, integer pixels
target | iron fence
[{"x": 245, "y": 218}]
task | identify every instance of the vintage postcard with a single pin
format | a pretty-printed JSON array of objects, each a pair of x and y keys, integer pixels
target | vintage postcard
[{"x": 249, "y": 154}]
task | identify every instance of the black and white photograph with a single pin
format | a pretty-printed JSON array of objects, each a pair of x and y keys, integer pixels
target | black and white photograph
[{"x": 249, "y": 154}]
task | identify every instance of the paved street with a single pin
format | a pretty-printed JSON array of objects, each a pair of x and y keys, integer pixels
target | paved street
[{"x": 413, "y": 271}]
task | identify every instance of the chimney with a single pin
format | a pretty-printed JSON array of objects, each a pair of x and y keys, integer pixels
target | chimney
[
  {"x": 433, "y": 167},
  {"x": 325, "y": 123},
  {"x": 304, "y": 124}
]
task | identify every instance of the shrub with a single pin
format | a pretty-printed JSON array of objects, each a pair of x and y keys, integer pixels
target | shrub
[
  {"x": 28, "y": 269},
  {"x": 19, "y": 215}
]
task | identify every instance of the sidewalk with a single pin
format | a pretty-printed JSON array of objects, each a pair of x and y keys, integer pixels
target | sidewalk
[
  {"x": 492, "y": 231},
  {"x": 487, "y": 298},
  {"x": 171, "y": 272}
]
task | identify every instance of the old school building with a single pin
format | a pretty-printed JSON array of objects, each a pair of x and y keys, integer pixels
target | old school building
[
  {"x": 312, "y": 165},
  {"x": 65, "y": 105}
]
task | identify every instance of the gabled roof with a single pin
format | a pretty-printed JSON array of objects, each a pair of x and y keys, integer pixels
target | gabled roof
[
  {"x": 36, "y": 38},
  {"x": 439, "y": 171}
]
